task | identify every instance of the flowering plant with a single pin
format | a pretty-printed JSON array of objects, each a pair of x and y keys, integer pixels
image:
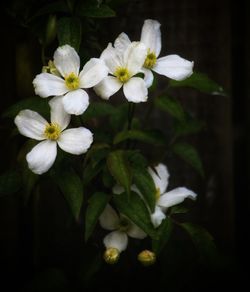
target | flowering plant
[{"x": 119, "y": 180}]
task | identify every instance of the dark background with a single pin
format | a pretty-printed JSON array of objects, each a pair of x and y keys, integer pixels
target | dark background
[{"x": 215, "y": 35}]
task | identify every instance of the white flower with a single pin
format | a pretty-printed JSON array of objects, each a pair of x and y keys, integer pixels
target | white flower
[
  {"x": 124, "y": 64},
  {"x": 42, "y": 156},
  {"x": 121, "y": 228},
  {"x": 71, "y": 83},
  {"x": 165, "y": 199}
]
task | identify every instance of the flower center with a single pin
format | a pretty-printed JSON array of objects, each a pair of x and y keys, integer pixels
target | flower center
[
  {"x": 157, "y": 194},
  {"x": 52, "y": 131},
  {"x": 122, "y": 74},
  {"x": 150, "y": 60},
  {"x": 124, "y": 224},
  {"x": 51, "y": 68},
  {"x": 111, "y": 255},
  {"x": 72, "y": 81}
]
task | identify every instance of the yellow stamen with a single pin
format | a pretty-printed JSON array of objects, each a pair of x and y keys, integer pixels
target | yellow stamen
[
  {"x": 157, "y": 194},
  {"x": 111, "y": 255},
  {"x": 146, "y": 257},
  {"x": 72, "y": 81},
  {"x": 51, "y": 68},
  {"x": 150, "y": 60},
  {"x": 52, "y": 131},
  {"x": 122, "y": 74}
]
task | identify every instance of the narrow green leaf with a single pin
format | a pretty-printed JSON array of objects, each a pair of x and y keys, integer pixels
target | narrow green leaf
[
  {"x": 189, "y": 154},
  {"x": 69, "y": 32},
  {"x": 178, "y": 209},
  {"x": 92, "y": 171},
  {"x": 71, "y": 186},
  {"x": 96, "y": 205},
  {"x": 188, "y": 126},
  {"x": 10, "y": 182},
  {"x": 98, "y": 109},
  {"x": 120, "y": 169},
  {"x": 100, "y": 11},
  {"x": 201, "y": 82},
  {"x": 164, "y": 231},
  {"x": 136, "y": 211},
  {"x": 154, "y": 137},
  {"x": 171, "y": 106}
]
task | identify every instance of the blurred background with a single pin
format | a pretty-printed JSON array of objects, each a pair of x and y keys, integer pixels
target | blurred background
[{"x": 215, "y": 35}]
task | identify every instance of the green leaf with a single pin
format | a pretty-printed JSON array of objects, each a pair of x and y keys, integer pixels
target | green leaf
[
  {"x": 144, "y": 182},
  {"x": 120, "y": 169},
  {"x": 69, "y": 32},
  {"x": 97, "y": 152},
  {"x": 37, "y": 104},
  {"x": 201, "y": 82},
  {"x": 119, "y": 119},
  {"x": 98, "y": 109},
  {"x": 178, "y": 209},
  {"x": 10, "y": 182},
  {"x": 91, "y": 171},
  {"x": 164, "y": 231},
  {"x": 96, "y": 205},
  {"x": 171, "y": 106},
  {"x": 136, "y": 211},
  {"x": 189, "y": 126},
  {"x": 94, "y": 11},
  {"x": 189, "y": 154},
  {"x": 71, "y": 186},
  {"x": 154, "y": 137}
]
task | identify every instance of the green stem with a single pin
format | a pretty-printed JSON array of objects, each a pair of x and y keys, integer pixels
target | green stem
[{"x": 131, "y": 111}]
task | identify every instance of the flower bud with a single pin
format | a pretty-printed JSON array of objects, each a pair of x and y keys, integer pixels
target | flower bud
[
  {"x": 111, "y": 255},
  {"x": 146, "y": 257}
]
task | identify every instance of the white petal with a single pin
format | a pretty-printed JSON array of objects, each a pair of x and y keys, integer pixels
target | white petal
[
  {"x": 93, "y": 72},
  {"x": 111, "y": 58},
  {"x": 117, "y": 190},
  {"x": 151, "y": 36},
  {"x": 31, "y": 124},
  {"x": 42, "y": 156},
  {"x": 76, "y": 102},
  {"x": 57, "y": 112},
  {"x": 136, "y": 232},
  {"x": 134, "y": 57},
  {"x": 135, "y": 90},
  {"x": 47, "y": 84},
  {"x": 75, "y": 141},
  {"x": 109, "y": 219},
  {"x": 67, "y": 60},
  {"x": 148, "y": 77},
  {"x": 157, "y": 217},
  {"x": 107, "y": 87},
  {"x": 175, "y": 197},
  {"x": 174, "y": 67},
  {"x": 121, "y": 43},
  {"x": 116, "y": 239},
  {"x": 160, "y": 176}
]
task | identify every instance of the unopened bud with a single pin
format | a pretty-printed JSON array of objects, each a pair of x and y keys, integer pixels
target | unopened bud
[
  {"x": 111, "y": 255},
  {"x": 147, "y": 257}
]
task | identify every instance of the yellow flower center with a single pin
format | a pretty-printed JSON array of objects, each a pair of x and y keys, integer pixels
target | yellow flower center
[
  {"x": 122, "y": 74},
  {"x": 150, "y": 60},
  {"x": 52, "y": 131},
  {"x": 72, "y": 81},
  {"x": 147, "y": 257},
  {"x": 111, "y": 255},
  {"x": 157, "y": 194}
]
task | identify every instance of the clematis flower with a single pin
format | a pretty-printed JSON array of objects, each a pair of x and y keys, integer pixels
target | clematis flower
[
  {"x": 70, "y": 83},
  {"x": 42, "y": 156},
  {"x": 123, "y": 66},
  {"x": 165, "y": 199},
  {"x": 121, "y": 227}
]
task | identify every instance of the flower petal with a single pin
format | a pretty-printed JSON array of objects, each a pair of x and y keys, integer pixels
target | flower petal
[
  {"x": 67, "y": 60},
  {"x": 42, "y": 156},
  {"x": 134, "y": 57},
  {"x": 31, "y": 124},
  {"x": 75, "y": 141},
  {"x": 76, "y": 102},
  {"x": 92, "y": 73},
  {"x": 160, "y": 176},
  {"x": 151, "y": 36},
  {"x": 174, "y": 67},
  {"x": 121, "y": 43},
  {"x": 175, "y": 197},
  {"x": 107, "y": 87},
  {"x": 157, "y": 217},
  {"x": 111, "y": 58},
  {"x": 148, "y": 77},
  {"x": 116, "y": 239},
  {"x": 109, "y": 219},
  {"x": 135, "y": 90},
  {"x": 136, "y": 232},
  {"x": 47, "y": 84},
  {"x": 57, "y": 112}
]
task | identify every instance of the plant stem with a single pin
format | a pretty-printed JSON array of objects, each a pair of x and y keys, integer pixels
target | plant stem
[{"x": 131, "y": 111}]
